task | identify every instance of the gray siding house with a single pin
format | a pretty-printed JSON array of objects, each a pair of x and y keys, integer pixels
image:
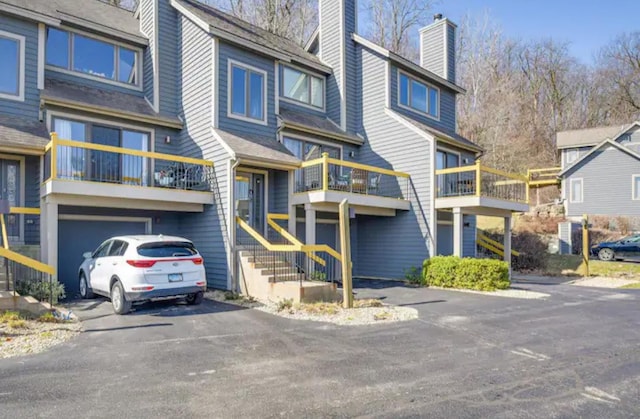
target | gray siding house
[
  {"x": 181, "y": 119},
  {"x": 601, "y": 171}
]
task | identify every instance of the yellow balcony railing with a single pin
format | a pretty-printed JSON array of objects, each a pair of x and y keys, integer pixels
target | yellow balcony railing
[
  {"x": 90, "y": 162},
  {"x": 329, "y": 174},
  {"x": 481, "y": 181},
  {"x": 543, "y": 177}
]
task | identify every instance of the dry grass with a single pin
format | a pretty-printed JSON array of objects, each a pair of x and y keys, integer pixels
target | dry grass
[
  {"x": 573, "y": 265},
  {"x": 632, "y": 286},
  {"x": 17, "y": 324},
  {"x": 322, "y": 308},
  {"x": 9, "y": 316},
  {"x": 367, "y": 303}
]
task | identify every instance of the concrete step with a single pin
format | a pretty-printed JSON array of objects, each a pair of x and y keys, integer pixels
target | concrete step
[{"x": 286, "y": 277}]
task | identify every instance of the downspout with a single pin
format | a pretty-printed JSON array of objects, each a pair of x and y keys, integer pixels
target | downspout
[{"x": 231, "y": 232}]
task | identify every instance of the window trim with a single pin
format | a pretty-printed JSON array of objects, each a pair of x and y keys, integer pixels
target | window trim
[
  {"x": 635, "y": 193},
  {"x": 426, "y": 84},
  {"x": 305, "y": 139},
  {"x": 323, "y": 108},
  {"x": 138, "y": 86},
  {"x": 570, "y": 152},
  {"x": 21, "y": 66},
  {"x": 571, "y": 197},
  {"x": 265, "y": 119}
]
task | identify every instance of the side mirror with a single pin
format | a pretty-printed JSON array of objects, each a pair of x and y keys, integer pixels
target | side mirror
[{"x": 87, "y": 255}]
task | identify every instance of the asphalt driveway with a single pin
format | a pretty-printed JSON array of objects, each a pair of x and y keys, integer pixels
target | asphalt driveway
[{"x": 576, "y": 353}]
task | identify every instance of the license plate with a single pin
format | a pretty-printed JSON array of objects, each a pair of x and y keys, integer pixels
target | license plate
[{"x": 175, "y": 277}]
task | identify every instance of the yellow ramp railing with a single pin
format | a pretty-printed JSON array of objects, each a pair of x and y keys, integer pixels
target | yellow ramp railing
[
  {"x": 492, "y": 245},
  {"x": 543, "y": 177}
]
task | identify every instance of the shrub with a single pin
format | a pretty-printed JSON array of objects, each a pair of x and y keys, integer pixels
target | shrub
[
  {"x": 412, "y": 275},
  {"x": 440, "y": 271},
  {"x": 41, "y": 290},
  {"x": 476, "y": 274},
  {"x": 285, "y": 304}
]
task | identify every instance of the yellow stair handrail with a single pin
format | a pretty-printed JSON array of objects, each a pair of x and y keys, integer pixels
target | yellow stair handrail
[
  {"x": 286, "y": 247},
  {"x": 495, "y": 246},
  {"x": 27, "y": 261}
]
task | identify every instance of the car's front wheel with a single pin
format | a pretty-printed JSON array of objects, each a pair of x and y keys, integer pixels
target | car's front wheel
[
  {"x": 606, "y": 254},
  {"x": 85, "y": 291},
  {"x": 195, "y": 299},
  {"x": 119, "y": 300}
]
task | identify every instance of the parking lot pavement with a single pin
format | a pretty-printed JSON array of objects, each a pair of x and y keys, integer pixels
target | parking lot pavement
[{"x": 574, "y": 354}]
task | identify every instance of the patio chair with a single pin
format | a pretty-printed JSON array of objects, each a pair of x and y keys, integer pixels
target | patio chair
[{"x": 374, "y": 184}]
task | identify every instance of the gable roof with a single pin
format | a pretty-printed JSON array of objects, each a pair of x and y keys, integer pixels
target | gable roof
[
  {"x": 22, "y": 133},
  {"x": 257, "y": 149},
  {"x": 246, "y": 35},
  {"x": 588, "y": 136},
  {"x": 93, "y": 15},
  {"x": 115, "y": 103},
  {"x": 319, "y": 125},
  {"x": 604, "y": 144}
]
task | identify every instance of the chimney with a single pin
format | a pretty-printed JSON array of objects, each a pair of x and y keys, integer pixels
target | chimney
[
  {"x": 338, "y": 21},
  {"x": 438, "y": 47}
]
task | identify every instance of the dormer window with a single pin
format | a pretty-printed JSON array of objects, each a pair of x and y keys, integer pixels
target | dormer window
[
  {"x": 418, "y": 96},
  {"x": 302, "y": 87},
  {"x": 92, "y": 57}
]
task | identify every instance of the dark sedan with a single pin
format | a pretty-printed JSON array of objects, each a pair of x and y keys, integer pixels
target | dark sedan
[{"x": 627, "y": 248}]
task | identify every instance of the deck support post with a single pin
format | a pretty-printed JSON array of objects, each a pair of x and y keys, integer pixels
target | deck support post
[
  {"x": 458, "y": 232},
  {"x": 507, "y": 242}
]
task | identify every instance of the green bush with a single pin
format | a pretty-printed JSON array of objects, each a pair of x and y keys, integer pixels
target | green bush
[
  {"x": 475, "y": 274},
  {"x": 41, "y": 290},
  {"x": 412, "y": 275}
]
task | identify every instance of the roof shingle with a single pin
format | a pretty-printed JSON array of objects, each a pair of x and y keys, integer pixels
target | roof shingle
[
  {"x": 587, "y": 136},
  {"x": 241, "y": 29},
  {"x": 106, "y": 99},
  {"x": 259, "y": 148},
  {"x": 23, "y": 133},
  {"x": 316, "y": 123}
]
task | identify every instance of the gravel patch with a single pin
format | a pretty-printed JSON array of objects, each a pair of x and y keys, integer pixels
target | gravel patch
[
  {"x": 35, "y": 337},
  {"x": 603, "y": 282},
  {"x": 509, "y": 293},
  {"x": 338, "y": 315}
]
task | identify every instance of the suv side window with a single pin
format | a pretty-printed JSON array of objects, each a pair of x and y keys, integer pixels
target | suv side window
[
  {"x": 118, "y": 248},
  {"x": 103, "y": 250}
]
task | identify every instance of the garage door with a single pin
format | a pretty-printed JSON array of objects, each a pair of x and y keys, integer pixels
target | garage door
[{"x": 76, "y": 237}]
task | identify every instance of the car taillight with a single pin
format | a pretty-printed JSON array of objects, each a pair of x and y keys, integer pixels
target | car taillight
[
  {"x": 198, "y": 261},
  {"x": 141, "y": 263}
]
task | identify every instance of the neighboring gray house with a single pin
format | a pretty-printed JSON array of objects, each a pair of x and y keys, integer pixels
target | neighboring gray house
[
  {"x": 601, "y": 171},
  {"x": 180, "y": 119}
]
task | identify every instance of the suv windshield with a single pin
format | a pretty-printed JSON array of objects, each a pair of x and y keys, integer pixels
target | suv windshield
[{"x": 166, "y": 249}]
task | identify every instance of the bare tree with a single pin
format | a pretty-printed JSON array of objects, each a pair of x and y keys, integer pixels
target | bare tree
[
  {"x": 293, "y": 19},
  {"x": 619, "y": 76},
  {"x": 394, "y": 24}
]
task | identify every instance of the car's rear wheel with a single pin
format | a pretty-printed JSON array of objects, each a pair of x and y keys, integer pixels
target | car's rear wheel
[
  {"x": 195, "y": 299},
  {"x": 85, "y": 291},
  {"x": 606, "y": 254},
  {"x": 119, "y": 300}
]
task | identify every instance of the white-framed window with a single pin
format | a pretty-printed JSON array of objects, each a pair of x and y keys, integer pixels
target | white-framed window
[
  {"x": 247, "y": 93},
  {"x": 635, "y": 187},
  {"x": 576, "y": 191},
  {"x": 12, "y": 56},
  {"x": 418, "y": 96},
  {"x": 571, "y": 156},
  {"x": 93, "y": 57},
  {"x": 302, "y": 87}
]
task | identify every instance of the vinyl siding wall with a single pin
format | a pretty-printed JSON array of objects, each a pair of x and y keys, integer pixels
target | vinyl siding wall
[
  {"x": 432, "y": 45},
  {"x": 147, "y": 17},
  {"x": 330, "y": 53},
  {"x": 451, "y": 53},
  {"x": 447, "y": 121},
  {"x": 607, "y": 184},
  {"x": 388, "y": 245},
  {"x": 29, "y": 107},
  {"x": 229, "y": 52},
  {"x": 168, "y": 53},
  {"x": 32, "y": 199},
  {"x": 207, "y": 229}
]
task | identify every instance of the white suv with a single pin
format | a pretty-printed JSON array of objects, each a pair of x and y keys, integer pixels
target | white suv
[{"x": 139, "y": 268}]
